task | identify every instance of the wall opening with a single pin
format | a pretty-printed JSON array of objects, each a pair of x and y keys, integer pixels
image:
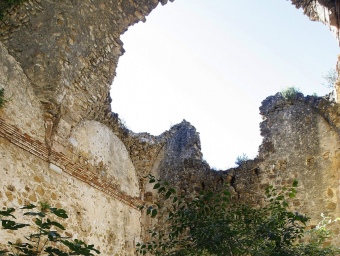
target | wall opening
[{"x": 212, "y": 63}]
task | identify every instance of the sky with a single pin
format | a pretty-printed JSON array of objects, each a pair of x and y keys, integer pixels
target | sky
[{"x": 212, "y": 63}]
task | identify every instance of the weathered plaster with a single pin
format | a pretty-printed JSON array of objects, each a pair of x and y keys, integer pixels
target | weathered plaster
[
  {"x": 101, "y": 147},
  {"x": 59, "y": 140}
]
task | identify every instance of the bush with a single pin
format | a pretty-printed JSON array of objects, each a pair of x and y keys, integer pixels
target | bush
[
  {"x": 290, "y": 93},
  {"x": 46, "y": 238},
  {"x": 241, "y": 159},
  {"x": 211, "y": 223},
  {"x": 330, "y": 78}
]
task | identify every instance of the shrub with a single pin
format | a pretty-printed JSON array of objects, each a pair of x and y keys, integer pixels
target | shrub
[
  {"x": 46, "y": 238},
  {"x": 290, "y": 93},
  {"x": 241, "y": 159},
  {"x": 211, "y": 223},
  {"x": 330, "y": 78}
]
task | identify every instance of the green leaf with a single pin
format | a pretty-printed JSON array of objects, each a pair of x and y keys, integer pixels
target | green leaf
[
  {"x": 295, "y": 183},
  {"x": 153, "y": 213},
  {"x": 29, "y": 206},
  {"x": 12, "y": 225},
  {"x": 172, "y": 190},
  {"x": 50, "y": 223},
  {"x": 78, "y": 247},
  {"x": 280, "y": 198},
  {"x": 157, "y": 185},
  {"x": 55, "y": 251},
  {"x": 53, "y": 235},
  {"x": 161, "y": 190},
  {"x": 59, "y": 212},
  {"x": 40, "y": 214},
  {"x": 38, "y": 222},
  {"x": 8, "y": 212},
  {"x": 168, "y": 194}
]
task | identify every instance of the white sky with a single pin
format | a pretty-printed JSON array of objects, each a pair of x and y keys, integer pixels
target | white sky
[{"x": 212, "y": 62}]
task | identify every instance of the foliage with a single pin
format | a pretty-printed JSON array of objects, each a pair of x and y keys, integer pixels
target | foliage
[
  {"x": 6, "y": 4},
  {"x": 2, "y": 95},
  {"x": 290, "y": 93},
  {"x": 46, "y": 240},
  {"x": 212, "y": 223},
  {"x": 241, "y": 159},
  {"x": 330, "y": 78}
]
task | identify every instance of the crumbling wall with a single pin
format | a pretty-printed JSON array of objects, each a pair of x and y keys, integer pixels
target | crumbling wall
[
  {"x": 58, "y": 60},
  {"x": 327, "y": 12},
  {"x": 300, "y": 141},
  {"x": 109, "y": 217},
  {"x": 69, "y": 51},
  {"x": 304, "y": 138}
]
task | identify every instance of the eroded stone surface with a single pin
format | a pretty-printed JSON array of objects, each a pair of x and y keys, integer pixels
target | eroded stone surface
[
  {"x": 101, "y": 147},
  {"x": 57, "y": 65},
  {"x": 93, "y": 216},
  {"x": 22, "y": 106}
]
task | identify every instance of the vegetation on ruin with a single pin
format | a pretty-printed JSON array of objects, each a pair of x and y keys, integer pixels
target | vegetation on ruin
[
  {"x": 290, "y": 93},
  {"x": 6, "y": 4},
  {"x": 241, "y": 159},
  {"x": 330, "y": 78},
  {"x": 46, "y": 239},
  {"x": 213, "y": 223},
  {"x": 2, "y": 99}
]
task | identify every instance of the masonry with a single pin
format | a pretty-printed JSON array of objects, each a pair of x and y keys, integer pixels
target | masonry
[{"x": 60, "y": 142}]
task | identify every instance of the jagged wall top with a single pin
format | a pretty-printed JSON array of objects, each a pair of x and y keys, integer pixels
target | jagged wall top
[
  {"x": 68, "y": 45},
  {"x": 326, "y": 11}
]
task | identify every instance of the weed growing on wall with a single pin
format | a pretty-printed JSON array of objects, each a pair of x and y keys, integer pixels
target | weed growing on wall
[
  {"x": 330, "y": 78},
  {"x": 290, "y": 93},
  {"x": 211, "y": 223},
  {"x": 241, "y": 159},
  {"x": 45, "y": 239}
]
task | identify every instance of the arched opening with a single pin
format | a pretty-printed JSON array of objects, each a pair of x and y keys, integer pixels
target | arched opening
[{"x": 212, "y": 63}]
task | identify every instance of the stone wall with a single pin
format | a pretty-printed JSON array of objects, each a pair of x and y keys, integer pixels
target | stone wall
[
  {"x": 98, "y": 188},
  {"x": 59, "y": 140},
  {"x": 300, "y": 141},
  {"x": 327, "y": 12},
  {"x": 69, "y": 51}
]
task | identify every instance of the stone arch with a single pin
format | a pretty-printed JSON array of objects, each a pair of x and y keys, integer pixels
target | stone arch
[
  {"x": 97, "y": 143},
  {"x": 76, "y": 64}
]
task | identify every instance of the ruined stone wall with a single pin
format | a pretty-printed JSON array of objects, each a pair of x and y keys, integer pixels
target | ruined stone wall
[
  {"x": 101, "y": 199},
  {"x": 59, "y": 140},
  {"x": 69, "y": 51},
  {"x": 57, "y": 62},
  {"x": 327, "y": 12},
  {"x": 302, "y": 137},
  {"x": 300, "y": 141}
]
